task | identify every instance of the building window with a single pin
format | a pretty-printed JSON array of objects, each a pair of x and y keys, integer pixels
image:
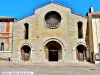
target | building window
[
  {"x": 99, "y": 47},
  {"x": 52, "y": 19},
  {"x": 2, "y": 46},
  {"x": 26, "y": 30},
  {"x": 80, "y": 30},
  {"x": 3, "y": 27}
]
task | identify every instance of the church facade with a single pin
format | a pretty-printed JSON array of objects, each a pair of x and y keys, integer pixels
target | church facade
[{"x": 52, "y": 33}]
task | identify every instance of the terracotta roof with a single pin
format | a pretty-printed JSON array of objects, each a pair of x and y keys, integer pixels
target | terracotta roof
[
  {"x": 95, "y": 13},
  {"x": 6, "y": 17}
]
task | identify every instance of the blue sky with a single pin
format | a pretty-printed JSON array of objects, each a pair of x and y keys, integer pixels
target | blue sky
[{"x": 21, "y": 8}]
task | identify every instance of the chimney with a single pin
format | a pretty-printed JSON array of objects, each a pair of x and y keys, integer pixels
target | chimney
[{"x": 91, "y": 9}]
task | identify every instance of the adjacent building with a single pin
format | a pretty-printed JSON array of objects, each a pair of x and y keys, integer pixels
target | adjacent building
[
  {"x": 93, "y": 27},
  {"x": 6, "y": 24}
]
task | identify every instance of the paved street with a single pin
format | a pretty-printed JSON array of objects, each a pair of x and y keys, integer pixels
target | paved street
[{"x": 52, "y": 68}]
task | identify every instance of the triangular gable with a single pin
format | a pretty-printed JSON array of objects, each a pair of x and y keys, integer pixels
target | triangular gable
[
  {"x": 53, "y": 3},
  {"x": 48, "y": 4}
]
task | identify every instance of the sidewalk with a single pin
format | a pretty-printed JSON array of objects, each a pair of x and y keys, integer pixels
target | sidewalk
[{"x": 2, "y": 62}]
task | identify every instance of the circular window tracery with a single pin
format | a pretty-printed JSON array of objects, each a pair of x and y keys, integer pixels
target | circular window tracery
[{"x": 52, "y": 19}]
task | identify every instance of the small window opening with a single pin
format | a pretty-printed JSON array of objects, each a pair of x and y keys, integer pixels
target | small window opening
[
  {"x": 80, "y": 30},
  {"x": 26, "y": 30}
]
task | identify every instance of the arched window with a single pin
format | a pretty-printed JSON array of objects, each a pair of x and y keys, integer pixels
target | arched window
[
  {"x": 26, "y": 30},
  {"x": 80, "y": 29}
]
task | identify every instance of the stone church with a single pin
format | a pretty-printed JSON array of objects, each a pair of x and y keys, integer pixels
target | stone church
[{"x": 52, "y": 34}]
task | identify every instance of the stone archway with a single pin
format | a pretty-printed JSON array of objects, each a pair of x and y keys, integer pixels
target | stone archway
[
  {"x": 25, "y": 52},
  {"x": 53, "y": 51},
  {"x": 81, "y": 52}
]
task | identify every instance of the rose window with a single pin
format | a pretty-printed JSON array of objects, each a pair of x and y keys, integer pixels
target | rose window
[{"x": 52, "y": 19}]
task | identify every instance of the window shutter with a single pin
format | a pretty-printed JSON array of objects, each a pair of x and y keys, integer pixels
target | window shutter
[
  {"x": 3, "y": 27},
  {"x": 8, "y": 27}
]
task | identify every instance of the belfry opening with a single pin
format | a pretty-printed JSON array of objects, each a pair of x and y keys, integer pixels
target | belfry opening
[
  {"x": 25, "y": 52},
  {"x": 53, "y": 51}
]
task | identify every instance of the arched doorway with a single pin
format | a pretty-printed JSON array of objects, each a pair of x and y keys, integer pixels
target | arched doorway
[
  {"x": 25, "y": 52},
  {"x": 81, "y": 52},
  {"x": 54, "y": 51}
]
